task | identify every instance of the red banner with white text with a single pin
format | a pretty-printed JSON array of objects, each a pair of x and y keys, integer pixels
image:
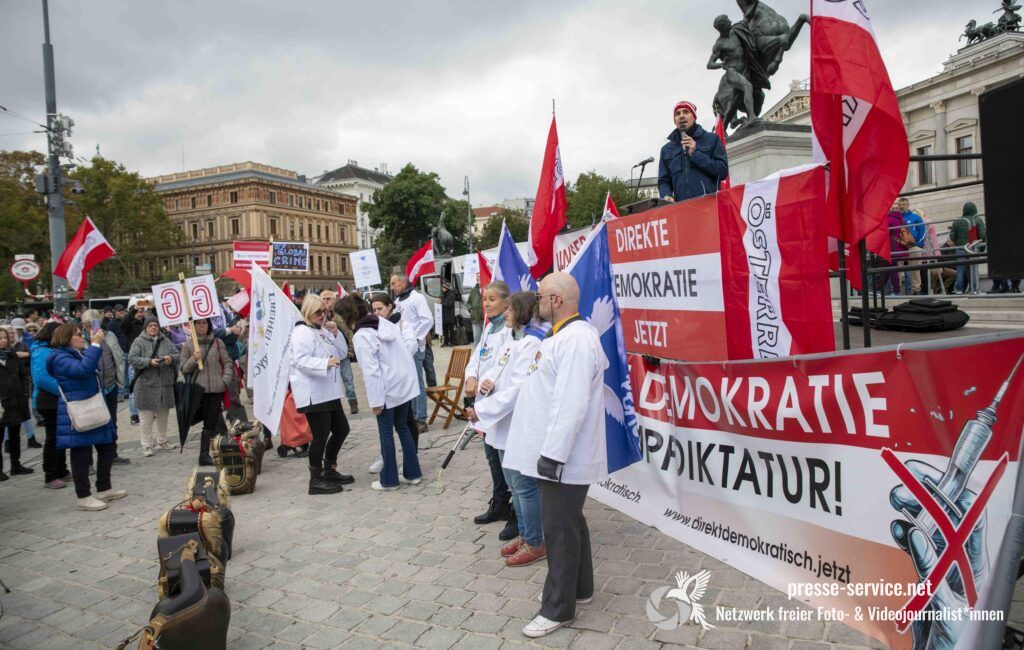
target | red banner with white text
[{"x": 863, "y": 483}]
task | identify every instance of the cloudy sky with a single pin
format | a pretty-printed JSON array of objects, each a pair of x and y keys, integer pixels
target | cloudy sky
[{"x": 456, "y": 87}]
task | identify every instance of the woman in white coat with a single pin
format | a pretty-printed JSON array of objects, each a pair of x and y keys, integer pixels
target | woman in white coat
[
  {"x": 318, "y": 347},
  {"x": 485, "y": 354},
  {"x": 492, "y": 415},
  {"x": 389, "y": 374}
]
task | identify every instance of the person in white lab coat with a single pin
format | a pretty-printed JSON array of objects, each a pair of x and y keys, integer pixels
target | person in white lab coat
[
  {"x": 419, "y": 317},
  {"x": 317, "y": 348},
  {"x": 484, "y": 357},
  {"x": 492, "y": 415},
  {"x": 386, "y": 361},
  {"x": 558, "y": 436}
]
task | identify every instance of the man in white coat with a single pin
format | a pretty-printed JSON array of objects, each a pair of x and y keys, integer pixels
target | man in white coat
[
  {"x": 558, "y": 436},
  {"x": 419, "y": 319}
]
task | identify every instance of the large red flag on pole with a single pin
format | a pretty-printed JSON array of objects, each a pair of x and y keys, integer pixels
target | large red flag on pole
[
  {"x": 87, "y": 249},
  {"x": 857, "y": 122},
  {"x": 720, "y": 132},
  {"x": 548, "y": 209},
  {"x": 421, "y": 262}
]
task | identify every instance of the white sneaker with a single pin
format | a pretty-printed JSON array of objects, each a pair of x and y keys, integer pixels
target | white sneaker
[
  {"x": 410, "y": 481},
  {"x": 111, "y": 495},
  {"x": 377, "y": 486},
  {"x": 579, "y": 601},
  {"x": 147, "y": 451},
  {"x": 377, "y": 466},
  {"x": 91, "y": 503},
  {"x": 541, "y": 626},
  {"x": 166, "y": 446}
]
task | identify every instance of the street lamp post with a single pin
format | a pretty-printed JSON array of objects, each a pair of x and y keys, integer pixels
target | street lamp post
[{"x": 469, "y": 216}]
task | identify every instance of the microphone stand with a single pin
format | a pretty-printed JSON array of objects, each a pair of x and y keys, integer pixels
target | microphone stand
[{"x": 636, "y": 194}]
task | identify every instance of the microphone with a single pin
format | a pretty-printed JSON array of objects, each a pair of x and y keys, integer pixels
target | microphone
[{"x": 643, "y": 162}]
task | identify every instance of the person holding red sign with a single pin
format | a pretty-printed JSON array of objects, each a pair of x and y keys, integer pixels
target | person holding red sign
[{"x": 218, "y": 369}]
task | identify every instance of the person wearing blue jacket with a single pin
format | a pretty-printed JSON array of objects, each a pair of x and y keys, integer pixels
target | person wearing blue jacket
[
  {"x": 44, "y": 400},
  {"x": 74, "y": 364},
  {"x": 693, "y": 161}
]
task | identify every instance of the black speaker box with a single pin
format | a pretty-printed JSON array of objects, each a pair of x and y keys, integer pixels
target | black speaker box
[{"x": 1002, "y": 146}]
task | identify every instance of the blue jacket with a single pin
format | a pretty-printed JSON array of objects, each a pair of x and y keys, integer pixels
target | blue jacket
[
  {"x": 41, "y": 377},
  {"x": 76, "y": 374},
  {"x": 685, "y": 176},
  {"x": 915, "y": 224}
]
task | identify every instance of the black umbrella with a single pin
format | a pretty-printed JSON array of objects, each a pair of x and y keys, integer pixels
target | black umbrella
[{"x": 187, "y": 397}]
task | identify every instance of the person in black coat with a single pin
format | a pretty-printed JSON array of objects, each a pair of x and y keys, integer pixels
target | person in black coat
[
  {"x": 448, "y": 300},
  {"x": 15, "y": 385}
]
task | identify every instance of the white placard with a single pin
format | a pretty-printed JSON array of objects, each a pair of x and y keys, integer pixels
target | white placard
[
  {"x": 438, "y": 319},
  {"x": 169, "y": 300},
  {"x": 470, "y": 269},
  {"x": 364, "y": 268},
  {"x": 202, "y": 297}
]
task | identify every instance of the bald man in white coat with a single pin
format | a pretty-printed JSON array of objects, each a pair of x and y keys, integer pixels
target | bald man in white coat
[{"x": 557, "y": 435}]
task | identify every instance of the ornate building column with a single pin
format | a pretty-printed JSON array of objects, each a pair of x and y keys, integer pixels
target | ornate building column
[{"x": 941, "y": 143}]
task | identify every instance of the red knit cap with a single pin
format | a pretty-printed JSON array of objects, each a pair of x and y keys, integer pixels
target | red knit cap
[{"x": 687, "y": 105}]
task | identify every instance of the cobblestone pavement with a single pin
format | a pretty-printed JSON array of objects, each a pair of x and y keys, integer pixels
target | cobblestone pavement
[{"x": 358, "y": 569}]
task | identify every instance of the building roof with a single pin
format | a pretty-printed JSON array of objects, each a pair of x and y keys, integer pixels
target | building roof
[
  {"x": 354, "y": 171},
  {"x": 233, "y": 172},
  {"x": 486, "y": 211}
]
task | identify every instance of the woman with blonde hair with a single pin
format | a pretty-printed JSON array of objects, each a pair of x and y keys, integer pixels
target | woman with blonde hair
[{"x": 318, "y": 347}]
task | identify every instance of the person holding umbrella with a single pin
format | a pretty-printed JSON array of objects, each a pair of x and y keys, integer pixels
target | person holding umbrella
[
  {"x": 155, "y": 360},
  {"x": 318, "y": 347},
  {"x": 214, "y": 378}
]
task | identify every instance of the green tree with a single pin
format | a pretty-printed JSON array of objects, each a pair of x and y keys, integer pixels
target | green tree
[
  {"x": 585, "y": 197},
  {"x": 518, "y": 227},
  {"x": 129, "y": 213},
  {"x": 23, "y": 221},
  {"x": 407, "y": 209}
]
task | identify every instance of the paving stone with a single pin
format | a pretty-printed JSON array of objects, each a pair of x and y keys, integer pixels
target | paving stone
[{"x": 438, "y": 638}]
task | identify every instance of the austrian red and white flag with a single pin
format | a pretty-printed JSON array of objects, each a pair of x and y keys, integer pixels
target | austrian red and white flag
[
  {"x": 720, "y": 132},
  {"x": 341, "y": 291},
  {"x": 611, "y": 211},
  {"x": 738, "y": 275},
  {"x": 858, "y": 127},
  {"x": 421, "y": 262},
  {"x": 87, "y": 249},
  {"x": 548, "y": 209}
]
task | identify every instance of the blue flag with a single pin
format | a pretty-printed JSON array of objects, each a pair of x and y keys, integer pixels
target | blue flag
[
  {"x": 593, "y": 272},
  {"x": 510, "y": 267}
]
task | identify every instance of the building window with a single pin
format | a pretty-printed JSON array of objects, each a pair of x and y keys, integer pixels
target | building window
[
  {"x": 965, "y": 168},
  {"x": 212, "y": 262},
  {"x": 177, "y": 204},
  {"x": 233, "y": 197},
  {"x": 209, "y": 230},
  {"x": 291, "y": 200},
  {"x": 320, "y": 263},
  {"x": 327, "y": 233},
  {"x": 195, "y": 230},
  {"x": 291, "y": 230},
  {"x": 209, "y": 200},
  {"x": 344, "y": 264},
  {"x": 341, "y": 233},
  {"x": 273, "y": 226},
  {"x": 318, "y": 205},
  {"x": 318, "y": 237},
  {"x": 164, "y": 264},
  {"x": 329, "y": 263},
  {"x": 195, "y": 262},
  {"x": 181, "y": 262},
  {"x": 925, "y": 168},
  {"x": 309, "y": 203},
  {"x": 341, "y": 208},
  {"x": 193, "y": 203},
  {"x": 273, "y": 197},
  {"x": 301, "y": 231},
  {"x": 234, "y": 227}
]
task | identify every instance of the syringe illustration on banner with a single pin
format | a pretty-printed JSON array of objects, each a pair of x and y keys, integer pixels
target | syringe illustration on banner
[{"x": 941, "y": 553}]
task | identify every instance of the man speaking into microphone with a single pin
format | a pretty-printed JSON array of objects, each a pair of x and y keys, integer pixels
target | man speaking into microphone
[{"x": 693, "y": 161}]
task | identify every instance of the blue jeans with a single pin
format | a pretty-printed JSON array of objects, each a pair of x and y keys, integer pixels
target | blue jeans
[
  {"x": 526, "y": 501},
  {"x": 390, "y": 420},
  {"x": 419, "y": 405},
  {"x": 132, "y": 410},
  {"x": 127, "y": 373},
  {"x": 28, "y": 426},
  {"x": 347, "y": 378}
]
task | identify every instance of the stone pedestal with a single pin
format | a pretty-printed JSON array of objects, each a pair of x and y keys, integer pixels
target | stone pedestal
[{"x": 764, "y": 148}]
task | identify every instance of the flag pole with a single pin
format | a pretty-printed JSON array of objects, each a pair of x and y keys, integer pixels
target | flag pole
[
  {"x": 864, "y": 306},
  {"x": 191, "y": 323},
  {"x": 844, "y": 306}
]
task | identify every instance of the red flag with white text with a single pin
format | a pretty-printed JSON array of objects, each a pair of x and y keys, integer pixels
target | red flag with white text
[
  {"x": 421, "y": 262},
  {"x": 720, "y": 132},
  {"x": 858, "y": 127},
  {"x": 87, "y": 249},
  {"x": 548, "y": 209}
]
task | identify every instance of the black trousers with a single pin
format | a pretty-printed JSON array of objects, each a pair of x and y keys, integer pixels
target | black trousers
[
  {"x": 330, "y": 428},
  {"x": 499, "y": 488},
  {"x": 110, "y": 399},
  {"x": 81, "y": 458},
  {"x": 55, "y": 461},
  {"x": 570, "y": 563},
  {"x": 429, "y": 374},
  {"x": 13, "y": 443},
  {"x": 210, "y": 408}
]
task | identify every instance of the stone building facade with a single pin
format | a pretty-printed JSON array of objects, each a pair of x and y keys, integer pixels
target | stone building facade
[
  {"x": 248, "y": 201},
  {"x": 360, "y": 183}
]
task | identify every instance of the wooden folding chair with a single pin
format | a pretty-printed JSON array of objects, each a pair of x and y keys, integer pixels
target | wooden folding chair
[{"x": 454, "y": 380}]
